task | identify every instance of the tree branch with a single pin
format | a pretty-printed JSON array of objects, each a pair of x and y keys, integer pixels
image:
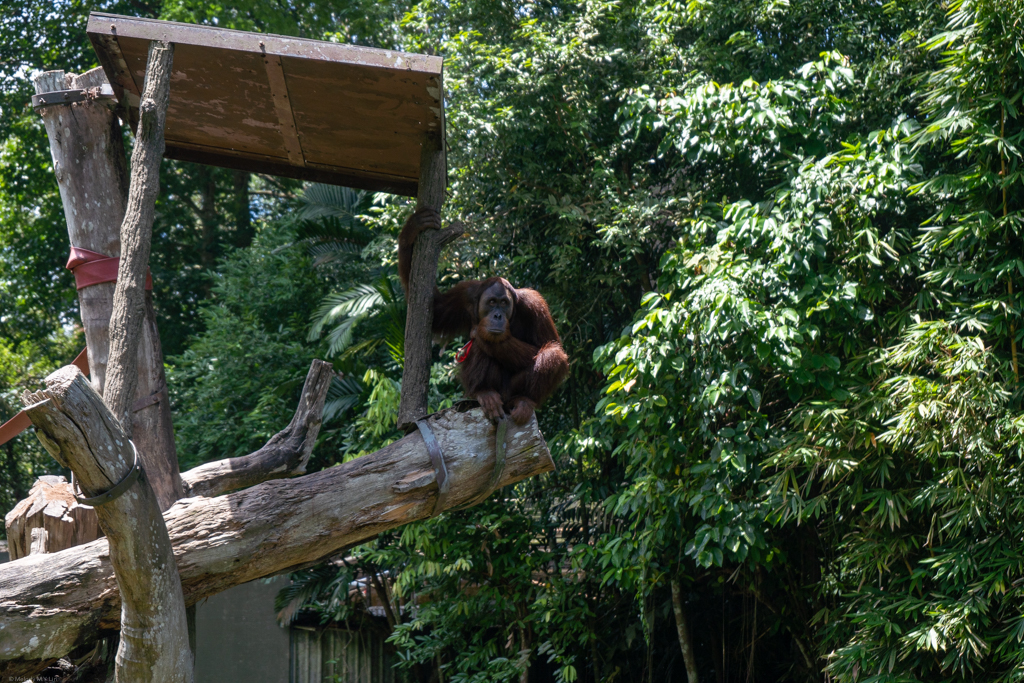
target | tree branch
[
  {"x": 419, "y": 316},
  {"x": 285, "y": 455},
  {"x": 137, "y": 233},
  {"x": 81, "y": 432}
]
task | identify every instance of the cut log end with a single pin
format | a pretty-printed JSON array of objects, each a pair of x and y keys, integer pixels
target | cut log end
[{"x": 50, "y": 507}]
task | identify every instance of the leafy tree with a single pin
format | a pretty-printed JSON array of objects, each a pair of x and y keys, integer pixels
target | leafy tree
[
  {"x": 236, "y": 384},
  {"x": 782, "y": 244}
]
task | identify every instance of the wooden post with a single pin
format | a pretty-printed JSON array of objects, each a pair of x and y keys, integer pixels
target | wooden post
[
  {"x": 419, "y": 316},
  {"x": 81, "y": 433},
  {"x": 54, "y": 603},
  {"x": 89, "y": 162}
]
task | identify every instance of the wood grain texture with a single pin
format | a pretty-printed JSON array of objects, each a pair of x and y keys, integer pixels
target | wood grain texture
[
  {"x": 82, "y": 432},
  {"x": 136, "y": 235},
  {"x": 50, "y": 506},
  {"x": 52, "y": 603},
  {"x": 88, "y": 155},
  {"x": 285, "y": 455}
]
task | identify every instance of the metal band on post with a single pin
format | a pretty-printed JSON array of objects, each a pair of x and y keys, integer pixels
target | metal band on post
[
  {"x": 56, "y": 97},
  {"x": 437, "y": 460},
  {"x": 117, "y": 490}
]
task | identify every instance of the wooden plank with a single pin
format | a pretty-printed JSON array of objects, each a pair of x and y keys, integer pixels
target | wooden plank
[
  {"x": 283, "y": 107},
  {"x": 362, "y": 118},
  {"x": 357, "y": 115},
  {"x": 259, "y": 43},
  {"x": 223, "y": 101},
  {"x": 317, "y": 173}
]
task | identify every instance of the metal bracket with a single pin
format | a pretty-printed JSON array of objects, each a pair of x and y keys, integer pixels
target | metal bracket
[
  {"x": 147, "y": 401},
  {"x": 118, "y": 489},
  {"x": 51, "y": 99},
  {"x": 437, "y": 460}
]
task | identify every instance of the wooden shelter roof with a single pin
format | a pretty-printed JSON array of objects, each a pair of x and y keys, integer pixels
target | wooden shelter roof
[{"x": 308, "y": 109}]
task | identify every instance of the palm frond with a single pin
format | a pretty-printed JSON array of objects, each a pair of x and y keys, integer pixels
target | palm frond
[
  {"x": 352, "y": 303},
  {"x": 362, "y": 348},
  {"x": 328, "y": 252},
  {"x": 340, "y": 336},
  {"x": 343, "y": 311},
  {"x": 342, "y": 395},
  {"x": 323, "y": 201},
  {"x": 334, "y": 229},
  {"x": 394, "y": 338}
]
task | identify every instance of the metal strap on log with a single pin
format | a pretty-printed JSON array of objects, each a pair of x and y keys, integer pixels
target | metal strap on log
[
  {"x": 499, "y": 452},
  {"x": 437, "y": 461},
  {"x": 441, "y": 471},
  {"x": 55, "y": 97},
  {"x": 117, "y": 490}
]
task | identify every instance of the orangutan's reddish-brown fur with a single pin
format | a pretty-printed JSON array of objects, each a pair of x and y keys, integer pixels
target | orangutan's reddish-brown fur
[{"x": 516, "y": 360}]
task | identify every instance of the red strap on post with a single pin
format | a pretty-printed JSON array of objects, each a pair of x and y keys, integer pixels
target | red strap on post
[
  {"x": 81, "y": 361},
  {"x": 16, "y": 425},
  {"x": 92, "y": 268},
  {"x": 20, "y": 422}
]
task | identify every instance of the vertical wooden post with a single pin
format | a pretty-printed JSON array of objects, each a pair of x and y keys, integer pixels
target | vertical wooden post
[
  {"x": 89, "y": 162},
  {"x": 136, "y": 235},
  {"x": 419, "y": 315}
]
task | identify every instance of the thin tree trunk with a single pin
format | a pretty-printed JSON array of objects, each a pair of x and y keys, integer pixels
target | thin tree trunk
[
  {"x": 419, "y": 315},
  {"x": 649, "y": 617},
  {"x": 136, "y": 235},
  {"x": 385, "y": 599},
  {"x": 1009, "y": 277},
  {"x": 683, "y": 631},
  {"x": 243, "y": 215}
]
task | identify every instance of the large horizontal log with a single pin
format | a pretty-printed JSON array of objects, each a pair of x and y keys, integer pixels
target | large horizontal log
[{"x": 51, "y": 604}]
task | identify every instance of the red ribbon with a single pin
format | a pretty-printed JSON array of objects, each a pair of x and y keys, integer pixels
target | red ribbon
[
  {"x": 463, "y": 352},
  {"x": 91, "y": 268}
]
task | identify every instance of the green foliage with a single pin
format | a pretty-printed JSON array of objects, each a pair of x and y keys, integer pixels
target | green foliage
[
  {"x": 236, "y": 384},
  {"x": 782, "y": 242}
]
